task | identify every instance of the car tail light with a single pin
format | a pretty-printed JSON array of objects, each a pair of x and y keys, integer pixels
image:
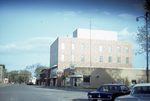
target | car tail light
[
  {"x": 89, "y": 95},
  {"x": 109, "y": 96}
]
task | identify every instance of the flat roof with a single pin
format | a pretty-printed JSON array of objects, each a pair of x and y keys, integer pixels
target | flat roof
[
  {"x": 142, "y": 84},
  {"x": 110, "y": 67},
  {"x": 114, "y": 84},
  {"x": 2, "y": 65}
]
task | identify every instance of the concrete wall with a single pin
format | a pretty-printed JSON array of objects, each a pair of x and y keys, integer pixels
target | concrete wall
[
  {"x": 54, "y": 53},
  {"x": 109, "y": 75},
  {"x": 95, "y": 34}
]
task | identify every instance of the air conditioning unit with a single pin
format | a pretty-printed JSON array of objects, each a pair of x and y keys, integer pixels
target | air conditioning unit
[{"x": 97, "y": 76}]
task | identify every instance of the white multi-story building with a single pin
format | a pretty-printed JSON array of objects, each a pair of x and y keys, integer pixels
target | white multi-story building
[{"x": 89, "y": 48}]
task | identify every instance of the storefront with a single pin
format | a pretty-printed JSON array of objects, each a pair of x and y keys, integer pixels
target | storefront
[
  {"x": 53, "y": 77},
  {"x": 85, "y": 77}
]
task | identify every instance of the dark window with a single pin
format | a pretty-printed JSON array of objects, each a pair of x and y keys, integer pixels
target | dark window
[
  {"x": 124, "y": 88},
  {"x": 86, "y": 78},
  {"x": 141, "y": 90},
  {"x": 108, "y": 88}
]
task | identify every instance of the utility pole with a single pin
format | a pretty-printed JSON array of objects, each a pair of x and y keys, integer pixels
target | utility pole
[
  {"x": 147, "y": 46},
  {"x": 8, "y": 76},
  {"x": 137, "y": 19},
  {"x": 90, "y": 44}
]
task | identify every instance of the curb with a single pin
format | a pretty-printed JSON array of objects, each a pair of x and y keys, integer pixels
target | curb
[{"x": 68, "y": 88}]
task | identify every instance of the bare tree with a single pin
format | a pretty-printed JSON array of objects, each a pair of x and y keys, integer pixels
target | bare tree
[{"x": 142, "y": 31}]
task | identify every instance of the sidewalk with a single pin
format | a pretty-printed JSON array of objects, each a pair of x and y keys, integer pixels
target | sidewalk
[{"x": 68, "y": 88}]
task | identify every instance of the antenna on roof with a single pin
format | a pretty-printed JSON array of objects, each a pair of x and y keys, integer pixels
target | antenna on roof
[{"x": 90, "y": 43}]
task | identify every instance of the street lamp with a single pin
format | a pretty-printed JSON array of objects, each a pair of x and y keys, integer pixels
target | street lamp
[{"x": 137, "y": 19}]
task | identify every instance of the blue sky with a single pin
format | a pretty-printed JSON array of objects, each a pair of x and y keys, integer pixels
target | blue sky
[{"x": 28, "y": 27}]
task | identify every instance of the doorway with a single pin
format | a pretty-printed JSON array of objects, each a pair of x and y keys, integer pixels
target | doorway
[{"x": 74, "y": 82}]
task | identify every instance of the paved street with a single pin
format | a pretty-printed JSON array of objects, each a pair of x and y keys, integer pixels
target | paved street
[{"x": 22, "y": 92}]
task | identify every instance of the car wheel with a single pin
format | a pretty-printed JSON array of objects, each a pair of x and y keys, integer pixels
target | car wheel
[{"x": 113, "y": 98}]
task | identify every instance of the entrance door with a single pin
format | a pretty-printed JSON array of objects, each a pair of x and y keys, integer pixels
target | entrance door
[
  {"x": 75, "y": 82},
  {"x": 54, "y": 82}
]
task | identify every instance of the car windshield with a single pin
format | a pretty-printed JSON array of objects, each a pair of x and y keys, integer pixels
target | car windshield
[
  {"x": 141, "y": 90},
  {"x": 107, "y": 88}
]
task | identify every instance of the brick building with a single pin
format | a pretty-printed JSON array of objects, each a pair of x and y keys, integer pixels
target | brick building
[
  {"x": 93, "y": 77},
  {"x": 88, "y": 48}
]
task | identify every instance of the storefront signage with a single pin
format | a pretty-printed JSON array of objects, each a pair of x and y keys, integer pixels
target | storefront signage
[
  {"x": 59, "y": 71},
  {"x": 72, "y": 67}
]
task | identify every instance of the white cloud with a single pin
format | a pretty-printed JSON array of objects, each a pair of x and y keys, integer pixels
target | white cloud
[
  {"x": 127, "y": 16},
  {"x": 38, "y": 44},
  {"x": 65, "y": 18},
  {"x": 107, "y": 13},
  {"x": 124, "y": 35},
  {"x": 94, "y": 27},
  {"x": 98, "y": 23},
  {"x": 70, "y": 13},
  {"x": 58, "y": 13},
  {"x": 79, "y": 11}
]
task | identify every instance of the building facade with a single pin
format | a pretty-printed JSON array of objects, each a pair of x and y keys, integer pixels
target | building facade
[
  {"x": 2, "y": 73},
  {"x": 87, "y": 77},
  {"x": 94, "y": 51}
]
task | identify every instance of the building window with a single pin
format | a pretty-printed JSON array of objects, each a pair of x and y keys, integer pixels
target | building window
[
  {"x": 127, "y": 60},
  {"x": 72, "y": 46},
  {"x": 100, "y": 48},
  {"x": 62, "y": 57},
  {"x": 72, "y": 58},
  {"x": 118, "y": 49},
  {"x": 86, "y": 78},
  {"x": 110, "y": 59},
  {"x": 127, "y": 50},
  {"x": 109, "y": 48},
  {"x": 82, "y": 58},
  {"x": 118, "y": 60},
  {"x": 82, "y": 46},
  {"x": 101, "y": 59},
  {"x": 62, "y": 45}
]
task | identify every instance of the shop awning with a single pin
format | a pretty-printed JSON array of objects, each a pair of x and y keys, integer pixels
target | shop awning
[{"x": 71, "y": 76}]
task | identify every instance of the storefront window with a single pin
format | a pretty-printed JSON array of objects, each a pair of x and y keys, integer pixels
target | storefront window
[
  {"x": 86, "y": 81},
  {"x": 86, "y": 78}
]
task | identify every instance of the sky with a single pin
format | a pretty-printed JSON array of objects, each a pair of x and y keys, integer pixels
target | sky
[{"x": 29, "y": 27}]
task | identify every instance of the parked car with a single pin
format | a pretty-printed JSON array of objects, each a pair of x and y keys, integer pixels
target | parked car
[
  {"x": 130, "y": 87},
  {"x": 140, "y": 92},
  {"x": 108, "y": 92},
  {"x": 9, "y": 82},
  {"x": 29, "y": 83}
]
